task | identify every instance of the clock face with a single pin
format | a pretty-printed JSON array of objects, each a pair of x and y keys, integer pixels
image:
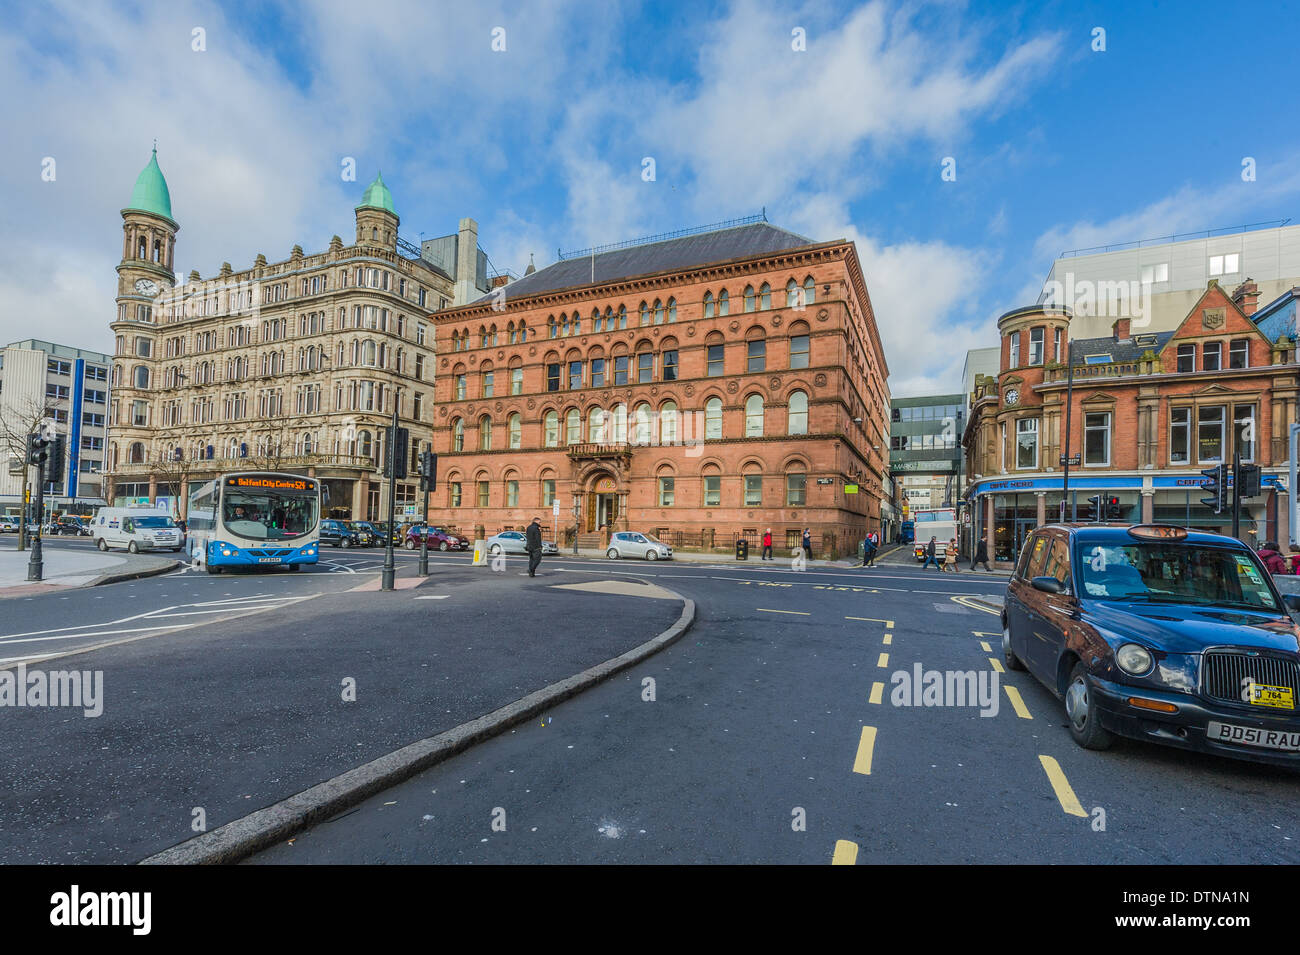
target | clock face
[
  {"x": 1013, "y": 396},
  {"x": 145, "y": 287}
]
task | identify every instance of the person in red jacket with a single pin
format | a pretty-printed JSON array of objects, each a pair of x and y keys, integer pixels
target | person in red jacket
[
  {"x": 767, "y": 545},
  {"x": 1273, "y": 561}
]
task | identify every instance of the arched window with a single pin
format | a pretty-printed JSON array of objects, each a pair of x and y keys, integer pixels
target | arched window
[
  {"x": 713, "y": 419},
  {"x": 798, "y": 408},
  {"x": 552, "y": 328},
  {"x": 749, "y": 298},
  {"x": 791, "y": 294},
  {"x": 644, "y": 312},
  {"x": 140, "y": 376},
  {"x": 307, "y": 443},
  {"x": 668, "y": 423},
  {"x": 523, "y": 332},
  {"x": 551, "y": 425},
  {"x": 515, "y": 430},
  {"x": 620, "y": 423},
  {"x": 365, "y": 444},
  {"x": 369, "y": 353},
  {"x": 485, "y": 433},
  {"x": 754, "y": 416},
  {"x": 564, "y": 324},
  {"x": 809, "y": 291},
  {"x": 659, "y": 312},
  {"x": 641, "y": 417},
  {"x": 622, "y": 316},
  {"x": 573, "y": 427},
  {"x": 724, "y": 303},
  {"x": 596, "y": 426},
  {"x": 708, "y": 304},
  {"x": 765, "y": 297},
  {"x": 135, "y": 452},
  {"x": 672, "y": 310},
  {"x": 458, "y": 435}
]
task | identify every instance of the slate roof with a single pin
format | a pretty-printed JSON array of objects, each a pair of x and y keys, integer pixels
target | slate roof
[
  {"x": 685, "y": 252},
  {"x": 1127, "y": 349}
]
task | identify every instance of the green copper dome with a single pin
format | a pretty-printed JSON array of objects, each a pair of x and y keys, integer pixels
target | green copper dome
[
  {"x": 150, "y": 193},
  {"x": 377, "y": 196}
]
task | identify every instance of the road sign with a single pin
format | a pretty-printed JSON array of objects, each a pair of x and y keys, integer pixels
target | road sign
[
  {"x": 826, "y": 480},
  {"x": 555, "y": 509},
  {"x": 1075, "y": 460}
]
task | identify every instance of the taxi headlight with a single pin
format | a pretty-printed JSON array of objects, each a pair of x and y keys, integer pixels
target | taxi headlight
[{"x": 1133, "y": 659}]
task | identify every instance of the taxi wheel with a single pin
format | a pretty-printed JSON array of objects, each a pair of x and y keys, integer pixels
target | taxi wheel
[
  {"x": 1081, "y": 708},
  {"x": 1008, "y": 657}
]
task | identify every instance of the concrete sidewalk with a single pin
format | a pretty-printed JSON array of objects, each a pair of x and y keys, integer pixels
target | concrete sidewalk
[{"x": 65, "y": 569}]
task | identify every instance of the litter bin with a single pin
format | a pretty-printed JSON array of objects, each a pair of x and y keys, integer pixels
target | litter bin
[{"x": 742, "y": 549}]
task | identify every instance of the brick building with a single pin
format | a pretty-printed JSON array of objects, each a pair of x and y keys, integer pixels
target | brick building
[
  {"x": 1149, "y": 412},
  {"x": 702, "y": 388}
]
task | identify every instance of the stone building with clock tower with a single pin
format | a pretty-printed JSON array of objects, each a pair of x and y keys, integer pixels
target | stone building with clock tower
[{"x": 293, "y": 365}]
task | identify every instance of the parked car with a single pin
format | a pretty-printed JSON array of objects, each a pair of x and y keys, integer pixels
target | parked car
[
  {"x": 8, "y": 525},
  {"x": 338, "y": 534},
  {"x": 1156, "y": 633},
  {"x": 635, "y": 544},
  {"x": 514, "y": 542},
  {"x": 366, "y": 535},
  {"x": 380, "y": 528},
  {"x": 69, "y": 524},
  {"x": 439, "y": 539}
]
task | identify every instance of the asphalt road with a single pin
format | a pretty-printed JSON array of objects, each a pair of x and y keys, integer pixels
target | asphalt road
[{"x": 766, "y": 741}]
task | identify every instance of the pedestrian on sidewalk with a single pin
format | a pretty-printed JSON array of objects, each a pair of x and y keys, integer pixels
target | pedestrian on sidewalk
[
  {"x": 930, "y": 558},
  {"x": 767, "y": 545},
  {"x": 950, "y": 557},
  {"x": 1273, "y": 560},
  {"x": 807, "y": 542},
  {"x": 982, "y": 554},
  {"x": 533, "y": 544},
  {"x": 869, "y": 552}
]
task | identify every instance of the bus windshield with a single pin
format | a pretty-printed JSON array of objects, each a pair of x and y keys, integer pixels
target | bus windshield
[{"x": 268, "y": 515}]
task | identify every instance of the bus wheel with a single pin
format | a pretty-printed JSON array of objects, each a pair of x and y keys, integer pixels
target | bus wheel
[{"x": 213, "y": 570}]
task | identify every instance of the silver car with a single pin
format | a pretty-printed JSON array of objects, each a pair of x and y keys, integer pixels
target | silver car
[
  {"x": 514, "y": 542},
  {"x": 634, "y": 544}
]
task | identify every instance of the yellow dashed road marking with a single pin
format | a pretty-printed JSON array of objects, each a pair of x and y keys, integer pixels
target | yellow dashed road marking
[
  {"x": 887, "y": 623},
  {"x": 1017, "y": 703},
  {"x": 889, "y": 638},
  {"x": 877, "y": 692},
  {"x": 846, "y": 853},
  {"x": 985, "y": 645},
  {"x": 883, "y": 661},
  {"x": 997, "y": 665},
  {"x": 1061, "y": 786},
  {"x": 866, "y": 745}
]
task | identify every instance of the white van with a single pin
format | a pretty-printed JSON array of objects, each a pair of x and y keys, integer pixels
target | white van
[{"x": 136, "y": 529}]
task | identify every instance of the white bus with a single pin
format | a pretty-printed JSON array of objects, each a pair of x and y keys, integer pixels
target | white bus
[
  {"x": 255, "y": 519},
  {"x": 937, "y": 522}
]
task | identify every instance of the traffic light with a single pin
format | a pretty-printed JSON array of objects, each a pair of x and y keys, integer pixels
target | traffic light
[
  {"x": 1095, "y": 509},
  {"x": 38, "y": 448},
  {"x": 395, "y": 459},
  {"x": 1250, "y": 481},
  {"x": 1216, "y": 488},
  {"x": 57, "y": 456},
  {"x": 1112, "y": 508},
  {"x": 428, "y": 471}
]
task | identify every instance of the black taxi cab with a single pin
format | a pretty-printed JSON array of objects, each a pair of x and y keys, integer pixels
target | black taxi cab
[{"x": 1156, "y": 633}]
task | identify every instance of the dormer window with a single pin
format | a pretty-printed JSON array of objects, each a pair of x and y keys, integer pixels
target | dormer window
[{"x": 1239, "y": 353}]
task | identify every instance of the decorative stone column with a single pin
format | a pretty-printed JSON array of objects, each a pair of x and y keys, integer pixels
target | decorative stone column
[
  {"x": 1042, "y": 507},
  {"x": 1148, "y": 505},
  {"x": 1283, "y": 526}
]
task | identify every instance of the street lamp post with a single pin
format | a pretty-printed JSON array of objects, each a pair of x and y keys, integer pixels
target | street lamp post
[{"x": 390, "y": 571}]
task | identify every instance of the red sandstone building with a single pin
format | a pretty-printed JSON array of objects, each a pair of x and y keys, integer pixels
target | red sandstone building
[
  {"x": 1149, "y": 412},
  {"x": 702, "y": 388}
]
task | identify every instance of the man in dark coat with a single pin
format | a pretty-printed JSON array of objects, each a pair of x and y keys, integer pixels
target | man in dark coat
[
  {"x": 533, "y": 544},
  {"x": 930, "y": 557},
  {"x": 982, "y": 554}
]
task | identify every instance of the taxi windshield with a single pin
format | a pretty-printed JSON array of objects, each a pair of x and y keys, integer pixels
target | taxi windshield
[{"x": 1173, "y": 572}]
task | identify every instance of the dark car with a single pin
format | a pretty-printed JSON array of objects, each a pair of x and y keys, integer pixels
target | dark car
[
  {"x": 1156, "y": 633},
  {"x": 69, "y": 524},
  {"x": 439, "y": 538},
  {"x": 367, "y": 536},
  {"x": 338, "y": 534},
  {"x": 380, "y": 529}
]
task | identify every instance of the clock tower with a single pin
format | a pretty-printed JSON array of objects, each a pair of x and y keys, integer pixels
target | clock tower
[{"x": 144, "y": 278}]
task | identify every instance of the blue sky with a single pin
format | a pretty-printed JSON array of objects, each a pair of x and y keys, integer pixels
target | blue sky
[{"x": 1057, "y": 146}]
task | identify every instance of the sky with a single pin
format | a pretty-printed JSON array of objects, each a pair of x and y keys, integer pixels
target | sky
[{"x": 1068, "y": 125}]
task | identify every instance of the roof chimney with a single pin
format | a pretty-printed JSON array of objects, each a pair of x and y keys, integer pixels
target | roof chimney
[
  {"x": 1246, "y": 296},
  {"x": 1121, "y": 329}
]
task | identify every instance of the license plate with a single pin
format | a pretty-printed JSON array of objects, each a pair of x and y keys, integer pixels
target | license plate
[
  {"x": 1278, "y": 697},
  {"x": 1253, "y": 736},
  {"x": 268, "y": 560}
]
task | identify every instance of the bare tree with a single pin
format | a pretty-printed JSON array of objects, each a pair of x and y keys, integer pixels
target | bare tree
[
  {"x": 175, "y": 472},
  {"x": 28, "y": 417}
]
